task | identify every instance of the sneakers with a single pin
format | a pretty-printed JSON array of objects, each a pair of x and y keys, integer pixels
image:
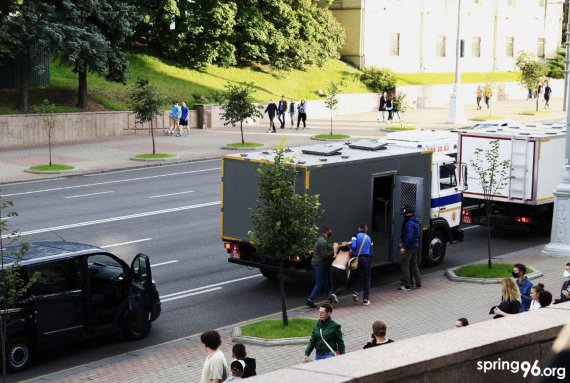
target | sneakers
[
  {"x": 365, "y": 302},
  {"x": 355, "y": 297},
  {"x": 178, "y": 135},
  {"x": 269, "y": 131},
  {"x": 334, "y": 298},
  {"x": 403, "y": 288},
  {"x": 416, "y": 286},
  {"x": 311, "y": 304}
]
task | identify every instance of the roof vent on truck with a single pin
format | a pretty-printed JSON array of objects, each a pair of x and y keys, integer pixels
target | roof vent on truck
[
  {"x": 368, "y": 145},
  {"x": 323, "y": 150}
]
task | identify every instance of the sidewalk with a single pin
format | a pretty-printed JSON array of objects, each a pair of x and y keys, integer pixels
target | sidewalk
[
  {"x": 433, "y": 308},
  {"x": 114, "y": 153}
]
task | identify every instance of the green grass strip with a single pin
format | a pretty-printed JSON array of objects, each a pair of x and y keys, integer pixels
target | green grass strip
[
  {"x": 534, "y": 112},
  {"x": 274, "y": 329},
  {"x": 239, "y": 145},
  {"x": 157, "y": 155},
  {"x": 498, "y": 270},
  {"x": 449, "y": 78},
  {"x": 487, "y": 118},
  {"x": 52, "y": 168},
  {"x": 332, "y": 136},
  {"x": 398, "y": 128}
]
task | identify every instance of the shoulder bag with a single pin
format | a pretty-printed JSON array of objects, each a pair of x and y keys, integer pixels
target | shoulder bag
[
  {"x": 353, "y": 262},
  {"x": 328, "y": 345}
]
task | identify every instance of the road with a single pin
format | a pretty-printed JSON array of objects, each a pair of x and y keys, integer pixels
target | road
[{"x": 171, "y": 213}]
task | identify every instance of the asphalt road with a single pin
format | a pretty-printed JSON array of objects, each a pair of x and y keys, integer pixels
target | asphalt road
[{"x": 171, "y": 213}]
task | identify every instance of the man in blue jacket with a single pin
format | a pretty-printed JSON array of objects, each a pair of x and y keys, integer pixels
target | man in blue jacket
[
  {"x": 524, "y": 284},
  {"x": 362, "y": 247},
  {"x": 409, "y": 248}
]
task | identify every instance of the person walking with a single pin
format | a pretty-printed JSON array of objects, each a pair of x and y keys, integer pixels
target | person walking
[
  {"x": 302, "y": 114},
  {"x": 510, "y": 299},
  {"x": 184, "y": 120},
  {"x": 173, "y": 118},
  {"x": 547, "y": 93},
  {"x": 524, "y": 284},
  {"x": 409, "y": 245},
  {"x": 378, "y": 337},
  {"x": 292, "y": 112},
  {"x": 322, "y": 254},
  {"x": 382, "y": 106},
  {"x": 390, "y": 107},
  {"x": 338, "y": 270},
  {"x": 361, "y": 247},
  {"x": 282, "y": 109},
  {"x": 215, "y": 369},
  {"x": 478, "y": 96},
  {"x": 488, "y": 95},
  {"x": 326, "y": 336},
  {"x": 271, "y": 110}
]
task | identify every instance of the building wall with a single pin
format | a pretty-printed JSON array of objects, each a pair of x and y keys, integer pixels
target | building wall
[{"x": 420, "y": 23}]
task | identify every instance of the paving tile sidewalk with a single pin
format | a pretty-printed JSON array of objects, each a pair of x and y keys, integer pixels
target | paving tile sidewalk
[{"x": 433, "y": 308}]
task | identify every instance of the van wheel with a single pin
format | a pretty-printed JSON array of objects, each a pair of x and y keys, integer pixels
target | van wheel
[
  {"x": 19, "y": 354},
  {"x": 134, "y": 330},
  {"x": 271, "y": 275},
  {"x": 434, "y": 248}
]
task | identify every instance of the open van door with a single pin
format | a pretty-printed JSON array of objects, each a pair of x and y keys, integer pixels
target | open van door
[
  {"x": 140, "y": 298},
  {"x": 408, "y": 191}
]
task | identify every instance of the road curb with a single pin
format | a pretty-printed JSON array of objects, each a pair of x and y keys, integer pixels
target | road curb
[
  {"x": 165, "y": 159},
  {"x": 252, "y": 149},
  {"x": 450, "y": 274},
  {"x": 70, "y": 171},
  {"x": 237, "y": 337}
]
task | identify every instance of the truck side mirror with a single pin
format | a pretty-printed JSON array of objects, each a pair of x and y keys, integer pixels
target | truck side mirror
[{"x": 464, "y": 176}]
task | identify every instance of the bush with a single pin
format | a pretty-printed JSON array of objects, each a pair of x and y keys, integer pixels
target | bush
[
  {"x": 378, "y": 79},
  {"x": 556, "y": 66}
]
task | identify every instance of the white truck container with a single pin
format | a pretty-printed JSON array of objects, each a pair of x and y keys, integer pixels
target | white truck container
[{"x": 536, "y": 156}]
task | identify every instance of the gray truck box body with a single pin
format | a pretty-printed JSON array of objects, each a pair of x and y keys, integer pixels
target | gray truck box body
[{"x": 347, "y": 188}]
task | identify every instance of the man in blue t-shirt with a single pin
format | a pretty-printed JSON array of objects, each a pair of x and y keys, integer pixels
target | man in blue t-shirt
[
  {"x": 362, "y": 247},
  {"x": 184, "y": 120}
]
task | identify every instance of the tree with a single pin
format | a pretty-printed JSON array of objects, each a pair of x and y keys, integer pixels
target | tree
[
  {"x": 15, "y": 290},
  {"x": 154, "y": 25},
  {"x": 239, "y": 106},
  {"x": 284, "y": 221},
  {"x": 331, "y": 101},
  {"x": 378, "y": 80},
  {"x": 556, "y": 66},
  {"x": 400, "y": 105},
  {"x": 46, "y": 116},
  {"x": 533, "y": 72},
  {"x": 95, "y": 33},
  {"x": 492, "y": 175},
  {"x": 146, "y": 104}
]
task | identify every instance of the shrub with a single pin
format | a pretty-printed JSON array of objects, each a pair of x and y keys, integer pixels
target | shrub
[
  {"x": 556, "y": 66},
  {"x": 378, "y": 79}
]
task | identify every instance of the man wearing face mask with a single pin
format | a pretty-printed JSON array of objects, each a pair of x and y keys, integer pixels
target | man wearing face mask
[
  {"x": 565, "y": 291},
  {"x": 524, "y": 284}
]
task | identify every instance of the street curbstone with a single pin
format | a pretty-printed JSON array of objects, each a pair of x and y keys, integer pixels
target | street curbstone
[
  {"x": 237, "y": 337},
  {"x": 450, "y": 274}
]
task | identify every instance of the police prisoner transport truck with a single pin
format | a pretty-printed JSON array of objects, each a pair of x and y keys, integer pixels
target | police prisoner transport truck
[{"x": 360, "y": 182}]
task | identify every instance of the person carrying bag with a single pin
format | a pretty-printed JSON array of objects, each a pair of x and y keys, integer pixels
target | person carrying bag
[{"x": 326, "y": 336}]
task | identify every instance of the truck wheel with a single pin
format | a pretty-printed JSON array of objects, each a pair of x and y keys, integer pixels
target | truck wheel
[
  {"x": 19, "y": 354},
  {"x": 434, "y": 248},
  {"x": 271, "y": 275}
]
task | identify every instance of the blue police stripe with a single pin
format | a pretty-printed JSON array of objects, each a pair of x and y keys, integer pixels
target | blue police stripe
[{"x": 448, "y": 200}]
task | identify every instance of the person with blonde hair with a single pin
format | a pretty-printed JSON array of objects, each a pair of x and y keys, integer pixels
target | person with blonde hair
[{"x": 510, "y": 300}]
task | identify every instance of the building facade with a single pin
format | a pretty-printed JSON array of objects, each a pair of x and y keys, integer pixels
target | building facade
[{"x": 420, "y": 35}]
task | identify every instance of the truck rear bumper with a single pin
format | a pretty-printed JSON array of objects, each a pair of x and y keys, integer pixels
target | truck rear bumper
[{"x": 287, "y": 270}]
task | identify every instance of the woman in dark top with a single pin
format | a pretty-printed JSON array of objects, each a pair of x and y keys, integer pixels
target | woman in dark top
[{"x": 510, "y": 301}]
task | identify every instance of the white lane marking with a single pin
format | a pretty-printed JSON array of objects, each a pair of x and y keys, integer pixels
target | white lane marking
[
  {"x": 144, "y": 169},
  {"x": 214, "y": 285},
  {"x": 471, "y": 227},
  {"x": 110, "y": 182},
  {"x": 90, "y": 194},
  {"x": 163, "y": 263},
  {"x": 113, "y": 219},
  {"x": 126, "y": 243},
  {"x": 189, "y": 295},
  {"x": 168, "y": 195}
]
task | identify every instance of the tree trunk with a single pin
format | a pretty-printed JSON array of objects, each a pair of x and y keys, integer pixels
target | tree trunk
[
  {"x": 49, "y": 148},
  {"x": 331, "y": 121},
  {"x": 282, "y": 288},
  {"x": 537, "y": 97},
  {"x": 241, "y": 130},
  {"x": 152, "y": 136},
  {"x": 82, "y": 90},
  {"x": 488, "y": 213},
  {"x": 23, "y": 95}
]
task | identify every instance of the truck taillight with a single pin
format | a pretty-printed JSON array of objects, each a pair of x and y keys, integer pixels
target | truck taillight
[
  {"x": 466, "y": 216},
  {"x": 233, "y": 250},
  {"x": 523, "y": 220}
]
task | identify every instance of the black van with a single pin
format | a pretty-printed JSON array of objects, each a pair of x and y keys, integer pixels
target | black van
[{"x": 82, "y": 291}]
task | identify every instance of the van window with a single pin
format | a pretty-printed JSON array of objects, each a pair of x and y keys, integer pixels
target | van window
[
  {"x": 103, "y": 260},
  {"x": 447, "y": 178},
  {"x": 55, "y": 277}
]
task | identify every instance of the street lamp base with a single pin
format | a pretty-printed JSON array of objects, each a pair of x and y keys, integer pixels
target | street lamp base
[
  {"x": 560, "y": 250},
  {"x": 456, "y": 110},
  {"x": 559, "y": 245}
]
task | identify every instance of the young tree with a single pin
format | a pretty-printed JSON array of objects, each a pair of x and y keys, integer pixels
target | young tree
[
  {"x": 331, "y": 101},
  {"x": 400, "y": 105},
  {"x": 533, "y": 72},
  {"x": 239, "y": 106},
  {"x": 46, "y": 117},
  {"x": 492, "y": 175},
  {"x": 15, "y": 290},
  {"x": 146, "y": 104},
  {"x": 284, "y": 221}
]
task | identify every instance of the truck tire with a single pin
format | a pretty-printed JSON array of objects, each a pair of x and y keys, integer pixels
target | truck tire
[
  {"x": 19, "y": 354},
  {"x": 434, "y": 248},
  {"x": 271, "y": 275}
]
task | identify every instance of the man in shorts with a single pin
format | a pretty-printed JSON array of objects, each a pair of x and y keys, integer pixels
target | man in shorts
[{"x": 184, "y": 120}]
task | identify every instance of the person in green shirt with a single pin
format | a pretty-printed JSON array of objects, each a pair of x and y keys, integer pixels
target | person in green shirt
[
  {"x": 326, "y": 337},
  {"x": 322, "y": 256}
]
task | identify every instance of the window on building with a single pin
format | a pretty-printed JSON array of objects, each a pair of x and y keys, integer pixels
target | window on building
[
  {"x": 510, "y": 48},
  {"x": 440, "y": 46},
  {"x": 394, "y": 44},
  {"x": 540, "y": 49},
  {"x": 476, "y": 47}
]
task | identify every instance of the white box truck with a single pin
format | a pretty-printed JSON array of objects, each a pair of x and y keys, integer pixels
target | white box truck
[{"x": 536, "y": 156}]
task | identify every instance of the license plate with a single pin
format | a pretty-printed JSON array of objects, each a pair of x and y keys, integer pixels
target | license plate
[{"x": 467, "y": 219}]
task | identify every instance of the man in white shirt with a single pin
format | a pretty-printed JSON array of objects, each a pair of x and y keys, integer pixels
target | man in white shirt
[{"x": 215, "y": 368}]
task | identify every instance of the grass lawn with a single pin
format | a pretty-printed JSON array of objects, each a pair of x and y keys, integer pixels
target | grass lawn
[
  {"x": 498, "y": 270},
  {"x": 52, "y": 168},
  {"x": 399, "y": 128},
  {"x": 487, "y": 118},
  {"x": 332, "y": 136},
  {"x": 157, "y": 155},
  {"x": 239, "y": 145},
  {"x": 534, "y": 112},
  {"x": 449, "y": 78},
  {"x": 273, "y": 329}
]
